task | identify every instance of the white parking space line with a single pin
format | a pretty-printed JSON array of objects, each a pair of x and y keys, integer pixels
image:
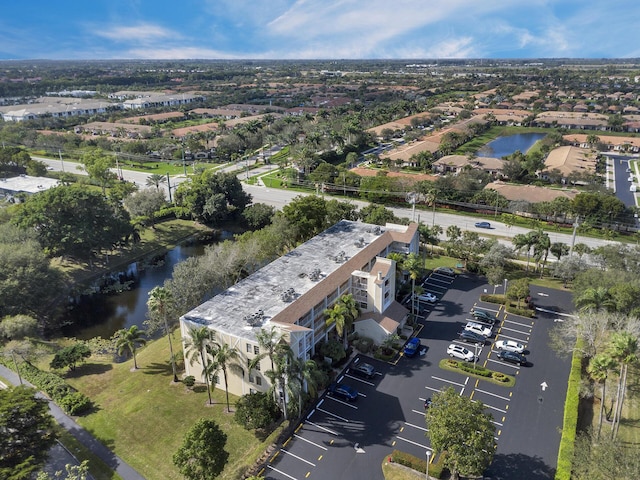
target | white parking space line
[
  {"x": 492, "y": 407},
  {"x": 296, "y": 456},
  {"x": 309, "y": 441},
  {"x": 362, "y": 395},
  {"x": 484, "y": 309},
  {"x": 518, "y": 323},
  {"x": 281, "y": 472},
  {"x": 416, "y": 426},
  {"x": 323, "y": 428},
  {"x": 438, "y": 279},
  {"x": 418, "y": 412},
  {"x": 412, "y": 442},
  {"x": 433, "y": 389},
  {"x": 508, "y": 337},
  {"x": 340, "y": 401},
  {"x": 449, "y": 381},
  {"x": 493, "y": 395},
  {"x": 497, "y": 423},
  {"x": 334, "y": 415},
  {"x": 504, "y": 363},
  {"x": 513, "y": 330},
  {"x": 353, "y": 377},
  {"x": 429, "y": 286}
]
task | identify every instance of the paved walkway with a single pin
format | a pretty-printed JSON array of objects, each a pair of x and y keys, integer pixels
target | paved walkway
[{"x": 84, "y": 437}]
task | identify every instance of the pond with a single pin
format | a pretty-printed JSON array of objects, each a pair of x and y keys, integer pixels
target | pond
[
  {"x": 503, "y": 146},
  {"x": 102, "y": 315}
]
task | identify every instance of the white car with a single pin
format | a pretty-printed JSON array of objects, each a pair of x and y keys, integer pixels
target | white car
[
  {"x": 510, "y": 346},
  {"x": 478, "y": 328},
  {"x": 460, "y": 352},
  {"x": 428, "y": 297}
]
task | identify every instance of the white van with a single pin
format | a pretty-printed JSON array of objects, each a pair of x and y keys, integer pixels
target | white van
[{"x": 632, "y": 188}]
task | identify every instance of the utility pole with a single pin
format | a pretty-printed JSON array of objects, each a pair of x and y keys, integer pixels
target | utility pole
[
  {"x": 573, "y": 237},
  {"x": 169, "y": 187}
]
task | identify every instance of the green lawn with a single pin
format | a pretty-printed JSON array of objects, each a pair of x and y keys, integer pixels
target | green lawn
[{"x": 142, "y": 417}]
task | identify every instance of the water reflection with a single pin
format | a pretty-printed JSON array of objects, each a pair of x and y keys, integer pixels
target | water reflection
[
  {"x": 503, "y": 146},
  {"x": 103, "y": 315}
]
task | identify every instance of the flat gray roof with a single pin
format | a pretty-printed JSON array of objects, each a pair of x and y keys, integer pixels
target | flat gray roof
[
  {"x": 265, "y": 290},
  {"x": 24, "y": 183}
]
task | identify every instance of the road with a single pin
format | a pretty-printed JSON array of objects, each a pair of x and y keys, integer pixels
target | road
[{"x": 278, "y": 198}]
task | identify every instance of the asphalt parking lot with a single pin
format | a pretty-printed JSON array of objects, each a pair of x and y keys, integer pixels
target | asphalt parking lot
[{"x": 341, "y": 439}]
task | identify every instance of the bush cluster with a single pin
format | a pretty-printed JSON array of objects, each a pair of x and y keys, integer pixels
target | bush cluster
[
  {"x": 436, "y": 469},
  {"x": 468, "y": 367},
  {"x": 67, "y": 397},
  {"x": 493, "y": 299},
  {"x": 363, "y": 344},
  {"x": 500, "y": 377},
  {"x": 523, "y": 312}
]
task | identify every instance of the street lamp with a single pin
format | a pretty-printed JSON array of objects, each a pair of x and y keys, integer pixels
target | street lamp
[{"x": 428, "y": 452}]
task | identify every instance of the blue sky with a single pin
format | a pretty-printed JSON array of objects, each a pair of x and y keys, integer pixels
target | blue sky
[{"x": 319, "y": 29}]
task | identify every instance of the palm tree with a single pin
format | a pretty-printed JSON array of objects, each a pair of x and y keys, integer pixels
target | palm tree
[
  {"x": 129, "y": 340},
  {"x": 541, "y": 249},
  {"x": 159, "y": 303},
  {"x": 341, "y": 317},
  {"x": 155, "y": 179},
  {"x": 413, "y": 265},
  {"x": 278, "y": 375},
  {"x": 304, "y": 375},
  {"x": 268, "y": 342},
  {"x": 594, "y": 298},
  {"x": 624, "y": 350},
  {"x": 196, "y": 345},
  {"x": 223, "y": 355},
  {"x": 353, "y": 309},
  {"x": 599, "y": 368}
]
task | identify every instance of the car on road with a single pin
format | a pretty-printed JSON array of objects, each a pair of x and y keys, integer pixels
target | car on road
[
  {"x": 427, "y": 297},
  {"x": 471, "y": 337},
  {"x": 484, "y": 316},
  {"x": 458, "y": 351},
  {"x": 445, "y": 271},
  {"x": 483, "y": 225},
  {"x": 412, "y": 347},
  {"x": 512, "y": 357},
  {"x": 363, "y": 369},
  {"x": 346, "y": 392},
  {"x": 509, "y": 345},
  {"x": 479, "y": 329}
]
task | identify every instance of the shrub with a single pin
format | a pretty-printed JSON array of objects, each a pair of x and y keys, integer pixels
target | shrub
[
  {"x": 468, "y": 367},
  {"x": 501, "y": 377},
  {"x": 570, "y": 421},
  {"x": 403, "y": 458},
  {"x": 493, "y": 299},
  {"x": 75, "y": 403},
  {"x": 256, "y": 411},
  {"x": 189, "y": 381},
  {"x": 363, "y": 344},
  {"x": 523, "y": 312}
]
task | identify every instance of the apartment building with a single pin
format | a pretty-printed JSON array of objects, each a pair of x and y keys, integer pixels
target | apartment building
[{"x": 292, "y": 293}]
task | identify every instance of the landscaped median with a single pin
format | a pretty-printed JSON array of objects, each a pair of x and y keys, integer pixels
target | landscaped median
[{"x": 476, "y": 371}]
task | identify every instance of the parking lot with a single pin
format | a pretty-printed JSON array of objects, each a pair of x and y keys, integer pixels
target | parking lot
[{"x": 349, "y": 439}]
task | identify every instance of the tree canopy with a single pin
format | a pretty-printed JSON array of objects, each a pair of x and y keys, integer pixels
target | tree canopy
[
  {"x": 202, "y": 455},
  {"x": 73, "y": 220},
  {"x": 26, "y": 432}
]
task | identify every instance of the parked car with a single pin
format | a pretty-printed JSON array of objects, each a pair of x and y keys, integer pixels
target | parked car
[
  {"x": 479, "y": 329},
  {"x": 484, "y": 316},
  {"x": 427, "y": 297},
  {"x": 460, "y": 352},
  {"x": 509, "y": 345},
  {"x": 346, "y": 392},
  {"x": 363, "y": 369},
  {"x": 483, "y": 225},
  {"x": 445, "y": 271},
  {"x": 471, "y": 337},
  {"x": 412, "y": 347},
  {"x": 512, "y": 357}
]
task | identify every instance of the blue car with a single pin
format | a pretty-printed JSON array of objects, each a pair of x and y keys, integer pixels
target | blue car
[
  {"x": 483, "y": 225},
  {"x": 412, "y": 347},
  {"x": 346, "y": 392}
]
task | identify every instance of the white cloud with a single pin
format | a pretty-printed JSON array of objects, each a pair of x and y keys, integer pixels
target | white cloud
[{"x": 142, "y": 32}]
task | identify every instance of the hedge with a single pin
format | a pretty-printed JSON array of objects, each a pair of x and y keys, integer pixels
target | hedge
[
  {"x": 570, "y": 420},
  {"x": 436, "y": 469}
]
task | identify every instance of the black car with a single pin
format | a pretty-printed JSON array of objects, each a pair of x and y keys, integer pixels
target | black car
[
  {"x": 471, "y": 337},
  {"x": 484, "y": 316},
  {"x": 512, "y": 357},
  {"x": 363, "y": 369}
]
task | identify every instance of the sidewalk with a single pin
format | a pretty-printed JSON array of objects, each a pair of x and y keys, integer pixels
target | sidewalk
[{"x": 84, "y": 437}]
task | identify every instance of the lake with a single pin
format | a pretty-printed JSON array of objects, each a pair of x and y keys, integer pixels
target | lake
[{"x": 503, "y": 146}]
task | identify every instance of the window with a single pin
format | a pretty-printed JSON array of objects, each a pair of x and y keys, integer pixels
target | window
[
  {"x": 212, "y": 335},
  {"x": 251, "y": 378},
  {"x": 258, "y": 381},
  {"x": 258, "y": 366},
  {"x": 248, "y": 348},
  {"x": 256, "y": 350}
]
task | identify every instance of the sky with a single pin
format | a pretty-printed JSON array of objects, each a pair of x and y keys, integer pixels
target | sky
[{"x": 318, "y": 29}]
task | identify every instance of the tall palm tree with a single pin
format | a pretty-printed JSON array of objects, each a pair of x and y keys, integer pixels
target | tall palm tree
[
  {"x": 129, "y": 339},
  {"x": 155, "y": 179},
  {"x": 353, "y": 309},
  {"x": 304, "y": 375},
  {"x": 541, "y": 249},
  {"x": 413, "y": 264},
  {"x": 268, "y": 342},
  {"x": 196, "y": 345},
  {"x": 599, "y": 368},
  {"x": 338, "y": 315},
  {"x": 624, "y": 350},
  {"x": 223, "y": 357},
  {"x": 278, "y": 375},
  {"x": 159, "y": 303}
]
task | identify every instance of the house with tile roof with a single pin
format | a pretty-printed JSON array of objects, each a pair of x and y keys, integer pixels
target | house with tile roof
[{"x": 292, "y": 293}]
